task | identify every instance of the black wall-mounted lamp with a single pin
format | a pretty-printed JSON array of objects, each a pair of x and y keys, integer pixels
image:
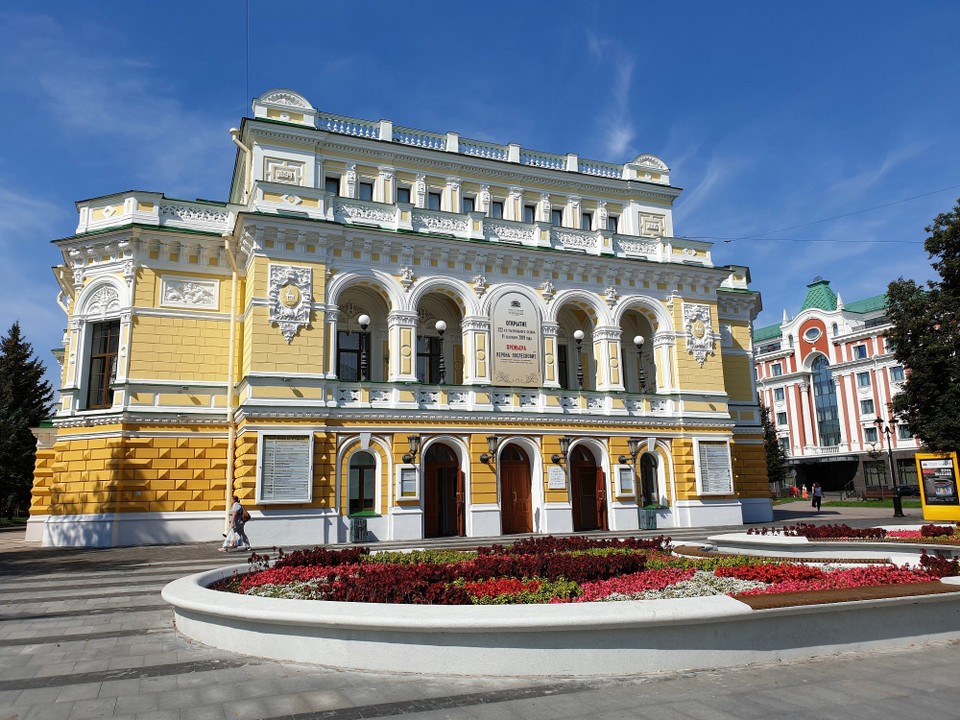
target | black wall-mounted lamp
[
  {"x": 414, "y": 442},
  {"x": 492, "y": 443},
  {"x": 634, "y": 445},
  {"x": 441, "y": 327},
  {"x": 564, "y": 447}
]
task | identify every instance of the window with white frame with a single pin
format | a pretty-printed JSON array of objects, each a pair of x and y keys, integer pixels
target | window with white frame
[
  {"x": 365, "y": 191},
  {"x": 863, "y": 379},
  {"x": 612, "y": 221},
  {"x": 784, "y": 443},
  {"x": 870, "y": 434},
  {"x": 776, "y": 369},
  {"x": 781, "y": 418},
  {"x": 903, "y": 433},
  {"x": 403, "y": 195},
  {"x": 469, "y": 204},
  {"x": 556, "y": 217},
  {"x": 496, "y": 209},
  {"x": 101, "y": 363},
  {"x": 362, "y": 483},
  {"x": 779, "y": 394},
  {"x": 331, "y": 184},
  {"x": 866, "y": 407},
  {"x": 896, "y": 373},
  {"x": 716, "y": 475},
  {"x": 586, "y": 221},
  {"x": 434, "y": 200},
  {"x": 529, "y": 214},
  {"x": 859, "y": 352}
]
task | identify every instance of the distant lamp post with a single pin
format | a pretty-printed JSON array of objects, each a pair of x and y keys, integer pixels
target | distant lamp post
[
  {"x": 364, "y": 321},
  {"x": 441, "y": 326},
  {"x": 578, "y": 336},
  {"x": 884, "y": 427},
  {"x": 638, "y": 341}
]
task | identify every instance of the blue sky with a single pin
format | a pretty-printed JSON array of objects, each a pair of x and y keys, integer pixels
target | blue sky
[{"x": 772, "y": 116}]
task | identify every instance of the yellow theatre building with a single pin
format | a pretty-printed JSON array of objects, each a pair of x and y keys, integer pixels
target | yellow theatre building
[{"x": 406, "y": 330}]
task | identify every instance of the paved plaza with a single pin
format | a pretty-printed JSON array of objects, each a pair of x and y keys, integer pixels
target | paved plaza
[{"x": 84, "y": 634}]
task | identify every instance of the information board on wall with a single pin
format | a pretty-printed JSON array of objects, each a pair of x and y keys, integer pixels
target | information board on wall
[
  {"x": 556, "y": 478},
  {"x": 939, "y": 478},
  {"x": 516, "y": 342},
  {"x": 715, "y": 473},
  {"x": 286, "y": 475}
]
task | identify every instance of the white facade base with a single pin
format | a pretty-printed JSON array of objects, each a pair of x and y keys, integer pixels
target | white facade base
[
  {"x": 757, "y": 510},
  {"x": 571, "y": 639},
  {"x": 557, "y": 518},
  {"x": 275, "y": 527},
  {"x": 705, "y": 513},
  {"x": 483, "y": 520},
  {"x": 407, "y": 524}
]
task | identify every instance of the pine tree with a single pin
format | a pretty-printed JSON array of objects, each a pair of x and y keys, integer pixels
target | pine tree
[
  {"x": 925, "y": 338},
  {"x": 25, "y": 401},
  {"x": 776, "y": 457}
]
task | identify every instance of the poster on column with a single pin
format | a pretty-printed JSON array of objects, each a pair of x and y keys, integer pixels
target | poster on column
[{"x": 516, "y": 342}]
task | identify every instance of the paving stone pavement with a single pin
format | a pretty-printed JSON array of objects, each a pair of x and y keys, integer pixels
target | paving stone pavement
[{"x": 84, "y": 634}]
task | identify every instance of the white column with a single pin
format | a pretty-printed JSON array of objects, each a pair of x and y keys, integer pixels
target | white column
[
  {"x": 610, "y": 363},
  {"x": 807, "y": 417},
  {"x": 551, "y": 368},
  {"x": 403, "y": 345},
  {"x": 331, "y": 319},
  {"x": 476, "y": 350}
]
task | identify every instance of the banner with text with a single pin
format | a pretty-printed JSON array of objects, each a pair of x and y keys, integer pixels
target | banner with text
[{"x": 516, "y": 342}]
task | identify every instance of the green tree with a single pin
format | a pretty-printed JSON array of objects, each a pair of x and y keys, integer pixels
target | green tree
[
  {"x": 776, "y": 457},
  {"x": 925, "y": 337},
  {"x": 25, "y": 400}
]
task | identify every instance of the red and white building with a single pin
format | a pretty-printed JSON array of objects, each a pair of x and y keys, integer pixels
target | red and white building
[{"x": 826, "y": 376}]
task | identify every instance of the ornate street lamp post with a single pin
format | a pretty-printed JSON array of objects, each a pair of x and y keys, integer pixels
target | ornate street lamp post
[
  {"x": 638, "y": 341},
  {"x": 884, "y": 427},
  {"x": 441, "y": 326},
  {"x": 364, "y": 321},
  {"x": 578, "y": 336}
]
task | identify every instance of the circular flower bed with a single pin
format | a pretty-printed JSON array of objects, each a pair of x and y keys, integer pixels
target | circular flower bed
[
  {"x": 549, "y": 570},
  {"x": 942, "y": 534}
]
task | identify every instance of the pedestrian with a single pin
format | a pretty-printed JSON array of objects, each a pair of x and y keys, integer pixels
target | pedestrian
[
  {"x": 236, "y": 537},
  {"x": 817, "y": 495}
]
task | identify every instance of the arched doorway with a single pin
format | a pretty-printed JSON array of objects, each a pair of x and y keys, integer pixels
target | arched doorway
[
  {"x": 443, "y": 511},
  {"x": 588, "y": 491},
  {"x": 516, "y": 505}
]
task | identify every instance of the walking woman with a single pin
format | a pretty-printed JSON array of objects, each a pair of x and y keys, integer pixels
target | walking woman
[{"x": 817, "y": 495}]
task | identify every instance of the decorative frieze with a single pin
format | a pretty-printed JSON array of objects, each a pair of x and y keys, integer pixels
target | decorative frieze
[{"x": 189, "y": 292}]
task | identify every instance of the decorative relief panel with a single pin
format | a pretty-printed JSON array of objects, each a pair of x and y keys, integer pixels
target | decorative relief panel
[
  {"x": 435, "y": 223},
  {"x": 636, "y": 248},
  {"x": 575, "y": 241},
  {"x": 189, "y": 292},
  {"x": 696, "y": 323},
  {"x": 104, "y": 301},
  {"x": 350, "y": 211},
  {"x": 283, "y": 171},
  {"x": 503, "y": 232},
  {"x": 290, "y": 293},
  {"x": 651, "y": 225}
]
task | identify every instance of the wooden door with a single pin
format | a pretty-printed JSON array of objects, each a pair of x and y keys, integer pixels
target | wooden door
[
  {"x": 584, "y": 490},
  {"x": 442, "y": 492},
  {"x": 601, "y": 506},
  {"x": 516, "y": 503}
]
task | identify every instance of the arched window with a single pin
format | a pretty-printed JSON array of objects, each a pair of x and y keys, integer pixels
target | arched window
[
  {"x": 648, "y": 479},
  {"x": 363, "y": 482},
  {"x": 825, "y": 402}
]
